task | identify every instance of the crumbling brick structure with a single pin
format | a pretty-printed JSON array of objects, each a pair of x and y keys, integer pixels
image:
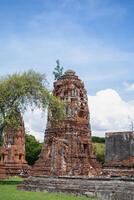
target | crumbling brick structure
[
  {"x": 3, "y": 174},
  {"x": 119, "y": 158},
  {"x": 12, "y": 152},
  {"x": 67, "y": 147}
]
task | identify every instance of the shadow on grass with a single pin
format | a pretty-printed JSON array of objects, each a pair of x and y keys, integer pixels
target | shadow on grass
[{"x": 9, "y": 182}]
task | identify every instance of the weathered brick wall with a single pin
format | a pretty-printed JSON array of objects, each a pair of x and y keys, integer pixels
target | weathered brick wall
[{"x": 119, "y": 148}]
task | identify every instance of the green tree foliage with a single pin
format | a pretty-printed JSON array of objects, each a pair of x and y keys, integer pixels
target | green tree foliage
[
  {"x": 58, "y": 71},
  {"x": 0, "y": 141},
  {"x": 33, "y": 149},
  {"x": 98, "y": 139},
  {"x": 19, "y": 90}
]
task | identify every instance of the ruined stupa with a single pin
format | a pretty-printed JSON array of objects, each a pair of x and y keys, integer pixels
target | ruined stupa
[
  {"x": 12, "y": 152},
  {"x": 67, "y": 149}
]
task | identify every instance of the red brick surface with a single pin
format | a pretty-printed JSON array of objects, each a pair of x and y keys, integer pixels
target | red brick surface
[
  {"x": 13, "y": 151},
  {"x": 67, "y": 146}
]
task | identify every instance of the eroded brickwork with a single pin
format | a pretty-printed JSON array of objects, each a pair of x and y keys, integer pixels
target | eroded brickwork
[
  {"x": 13, "y": 150},
  {"x": 67, "y": 147},
  {"x": 3, "y": 174}
]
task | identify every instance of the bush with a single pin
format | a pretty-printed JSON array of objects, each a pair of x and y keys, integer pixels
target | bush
[
  {"x": 99, "y": 149},
  {"x": 33, "y": 149},
  {"x": 96, "y": 139}
]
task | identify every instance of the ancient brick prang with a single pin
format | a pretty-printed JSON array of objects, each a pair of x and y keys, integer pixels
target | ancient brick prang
[
  {"x": 13, "y": 150},
  {"x": 119, "y": 158},
  {"x": 67, "y": 147}
]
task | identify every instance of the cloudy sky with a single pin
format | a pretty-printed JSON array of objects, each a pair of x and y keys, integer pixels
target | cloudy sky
[{"x": 93, "y": 37}]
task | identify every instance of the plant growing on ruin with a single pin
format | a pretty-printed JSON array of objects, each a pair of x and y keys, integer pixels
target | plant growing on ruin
[
  {"x": 58, "y": 71},
  {"x": 21, "y": 90}
]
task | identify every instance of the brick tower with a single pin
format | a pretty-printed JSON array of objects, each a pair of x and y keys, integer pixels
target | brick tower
[
  {"x": 13, "y": 150},
  {"x": 67, "y": 149}
]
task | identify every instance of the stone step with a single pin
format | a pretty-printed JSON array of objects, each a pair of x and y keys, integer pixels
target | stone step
[{"x": 106, "y": 188}]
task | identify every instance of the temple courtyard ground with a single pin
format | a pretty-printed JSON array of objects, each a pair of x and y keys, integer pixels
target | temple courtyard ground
[{"x": 8, "y": 191}]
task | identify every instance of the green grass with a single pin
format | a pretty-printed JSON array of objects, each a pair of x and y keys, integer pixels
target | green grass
[
  {"x": 8, "y": 191},
  {"x": 99, "y": 149}
]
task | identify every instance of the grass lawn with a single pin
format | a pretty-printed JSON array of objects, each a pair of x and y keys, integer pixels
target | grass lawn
[
  {"x": 99, "y": 149},
  {"x": 8, "y": 191}
]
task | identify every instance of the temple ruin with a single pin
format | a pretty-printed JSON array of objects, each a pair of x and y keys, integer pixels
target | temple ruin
[
  {"x": 67, "y": 162},
  {"x": 67, "y": 149},
  {"x": 119, "y": 158},
  {"x": 12, "y": 152}
]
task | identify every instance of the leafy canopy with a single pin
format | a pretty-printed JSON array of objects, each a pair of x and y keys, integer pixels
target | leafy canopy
[
  {"x": 33, "y": 149},
  {"x": 19, "y": 90},
  {"x": 98, "y": 139}
]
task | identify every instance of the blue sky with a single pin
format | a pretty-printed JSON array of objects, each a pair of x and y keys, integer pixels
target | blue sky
[{"x": 93, "y": 37}]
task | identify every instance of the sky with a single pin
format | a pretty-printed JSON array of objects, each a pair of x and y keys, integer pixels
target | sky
[{"x": 92, "y": 37}]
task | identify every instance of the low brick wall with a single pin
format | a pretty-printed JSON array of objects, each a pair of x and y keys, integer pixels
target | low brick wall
[{"x": 104, "y": 188}]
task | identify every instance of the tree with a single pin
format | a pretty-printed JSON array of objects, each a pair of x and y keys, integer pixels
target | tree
[
  {"x": 98, "y": 139},
  {"x": 19, "y": 90},
  {"x": 58, "y": 71},
  {"x": 0, "y": 141},
  {"x": 33, "y": 149}
]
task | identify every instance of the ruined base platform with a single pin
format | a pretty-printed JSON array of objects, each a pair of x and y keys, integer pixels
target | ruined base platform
[
  {"x": 118, "y": 171},
  {"x": 102, "y": 187},
  {"x": 16, "y": 169},
  {"x": 3, "y": 174}
]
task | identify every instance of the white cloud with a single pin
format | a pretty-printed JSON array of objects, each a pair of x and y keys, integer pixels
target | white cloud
[
  {"x": 109, "y": 112},
  {"x": 56, "y": 34},
  {"x": 52, "y": 34},
  {"x": 41, "y": 53},
  {"x": 129, "y": 86},
  {"x": 35, "y": 123}
]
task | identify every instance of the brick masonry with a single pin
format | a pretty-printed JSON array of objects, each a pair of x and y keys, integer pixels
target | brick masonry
[
  {"x": 12, "y": 152},
  {"x": 67, "y": 147},
  {"x": 103, "y": 188}
]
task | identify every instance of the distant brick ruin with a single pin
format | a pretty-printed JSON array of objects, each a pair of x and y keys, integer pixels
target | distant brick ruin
[
  {"x": 67, "y": 149},
  {"x": 119, "y": 158},
  {"x": 12, "y": 153}
]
